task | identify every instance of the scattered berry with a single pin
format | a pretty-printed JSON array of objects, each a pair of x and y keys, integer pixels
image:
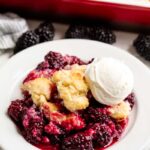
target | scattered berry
[
  {"x": 76, "y": 31},
  {"x": 78, "y": 141},
  {"x": 28, "y": 39},
  {"x": 102, "y": 34},
  {"x": 142, "y": 45},
  {"x": 45, "y": 31},
  {"x": 98, "y": 33}
]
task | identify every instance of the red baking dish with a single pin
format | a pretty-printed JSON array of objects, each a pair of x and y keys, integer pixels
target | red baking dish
[{"x": 119, "y": 12}]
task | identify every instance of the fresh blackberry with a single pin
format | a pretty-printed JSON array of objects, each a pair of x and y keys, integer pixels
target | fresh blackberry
[
  {"x": 102, "y": 34},
  {"x": 28, "y": 39},
  {"x": 76, "y": 31},
  {"x": 79, "y": 141},
  {"x": 96, "y": 115},
  {"x": 142, "y": 45},
  {"x": 102, "y": 136},
  {"x": 131, "y": 99},
  {"x": 45, "y": 31},
  {"x": 55, "y": 60},
  {"x": 15, "y": 109},
  {"x": 98, "y": 33}
]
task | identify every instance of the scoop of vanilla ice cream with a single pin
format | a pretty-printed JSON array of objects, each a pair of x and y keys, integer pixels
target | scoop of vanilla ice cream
[{"x": 110, "y": 80}]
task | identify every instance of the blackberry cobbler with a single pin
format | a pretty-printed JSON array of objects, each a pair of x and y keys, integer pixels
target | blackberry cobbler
[{"x": 67, "y": 106}]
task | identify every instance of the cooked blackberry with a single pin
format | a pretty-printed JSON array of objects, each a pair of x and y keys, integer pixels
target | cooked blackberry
[
  {"x": 55, "y": 133},
  {"x": 76, "y": 31},
  {"x": 102, "y": 136},
  {"x": 43, "y": 65},
  {"x": 131, "y": 99},
  {"x": 28, "y": 102},
  {"x": 71, "y": 60},
  {"x": 56, "y": 139},
  {"x": 52, "y": 128},
  {"x": 96, "y": 115},
  {"x": 45, "y": 31},
  {"x": 79, "y": 141},
  {"x": 15, "y": 109},
  {"x": 33, "y": 124},
  {"x": 94, "y": 103},
  {"x": 55, "y": 60},
  {"x": 102, "y": 34},
  {"x": 118, "y": 131},
  {"x": 142, "y": 45},
  {"x": 28, "y": 39}
]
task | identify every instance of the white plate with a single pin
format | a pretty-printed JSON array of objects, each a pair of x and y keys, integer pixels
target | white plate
[{"x": 14, "y": 71}]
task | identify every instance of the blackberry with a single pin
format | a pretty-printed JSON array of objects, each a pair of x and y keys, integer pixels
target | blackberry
[
  {"x": 15, "y": 109},
  {"x": 54, "y": 132},
  {"x": 28, "y": 102},
  {"x": 56, "y": 139},
  {"x": 45, "y": 31},
  {"x": 33, "y": 124},
  {"x": 94, "y": 103},
  {"x": 71, "y": 60},
  {"x": 52, "y": 128},
  {"x": 142, "y": 45},
  {"x": 76, "y": 31},
  {"x": 98, "y": 33},
  {"x": 102, "y": 136},
  {"x": 43, "y": 65},
  {"x": 118, "y": 131},
  {"x": 131, "y": 99},
  {"x": 28, "y": 39},
  {"x": 96, "y": 115},
  {"x": 55, "y": 60},
  {"x": 79, "y": 141},
  {"x": 102, "y": 34}
]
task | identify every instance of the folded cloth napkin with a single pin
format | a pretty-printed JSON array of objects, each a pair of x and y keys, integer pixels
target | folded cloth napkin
[{"x": 11, "y": 28}]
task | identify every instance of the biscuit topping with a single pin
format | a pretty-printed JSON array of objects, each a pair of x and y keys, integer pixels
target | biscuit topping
[
  {"x": 40, "y": 90},
  {"x": 72, "y": 87}
]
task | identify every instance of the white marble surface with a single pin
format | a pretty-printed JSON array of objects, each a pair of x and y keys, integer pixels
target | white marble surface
[{"x": 124, "y": 41}]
